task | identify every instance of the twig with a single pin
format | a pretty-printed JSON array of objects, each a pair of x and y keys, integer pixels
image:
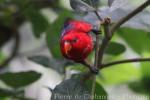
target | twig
[
  {"x": 105, "y": 41},
  {"x": 98, "y": 16},
  {"x": 129, "y": 16},
  {"x": 96, "y": 57},
  {"x": 96, "y": 51},
  {"x": 93, "y": 87},
  {"x": 92, "y": 69},
  {"x": 102, "y": 50},
  {"x": 125, "y": 61},
  {"x": 106, "y": 23},
  {"x": 95, "y": 64}
]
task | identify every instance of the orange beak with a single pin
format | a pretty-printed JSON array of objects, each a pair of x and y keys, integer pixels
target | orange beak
[{"x": 67, "y": 47}]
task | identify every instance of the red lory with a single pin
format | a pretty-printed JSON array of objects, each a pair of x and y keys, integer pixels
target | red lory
[{"x": 76, "y": 43}]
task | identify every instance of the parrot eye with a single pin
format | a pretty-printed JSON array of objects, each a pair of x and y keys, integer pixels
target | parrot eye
[{"x": 75, "y": 40}]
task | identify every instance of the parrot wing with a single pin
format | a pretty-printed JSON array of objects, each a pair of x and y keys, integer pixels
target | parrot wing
[
  {"x": 67, "y": 26},
  {"x": 66, "y": 29}
]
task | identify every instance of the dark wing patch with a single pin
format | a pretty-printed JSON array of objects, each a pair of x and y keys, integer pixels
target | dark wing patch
[
  {"x": 65, "y": 29},
  {"x": 67, "y": 22}
]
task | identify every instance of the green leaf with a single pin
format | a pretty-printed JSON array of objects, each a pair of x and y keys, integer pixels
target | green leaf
[
  {"x": 137, "y": 39},
  {"x": 141, "y": 86},
  {"x": 39, "y": 22},
  {"x": 2, "y": 57},
  {"x": 137, "y": 87},
  {"x": 77, "y": 89},
  {"x": 78, "y": 67},
  {"x": 144, "y": 66},
  {"x": 2, "y": 1},
  {"x": 21, "y": 5},
  {"x": 18, "y": 94},
  {"x": 42, "y": 60},
  {"x": 99, "y": 90},
  {"x": 5, "y": 93},
  {"x": 145, "y": 69},
  {"x": 146, "y": 83},
  {"x": 54, "y": 33},
  {"x": 118, "y": 74},
  {"x": 58, "y": 65},
  {"x": 81, "y": 6},
  {"x": 94, "y": 3},
  {"x": 19, "y": 79},
  {"x": 71, "y": 89},
  {"x": 115, "y": 48}
]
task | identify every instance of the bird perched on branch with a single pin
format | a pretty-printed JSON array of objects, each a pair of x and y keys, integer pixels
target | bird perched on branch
[{"x": 76, "y": 43}]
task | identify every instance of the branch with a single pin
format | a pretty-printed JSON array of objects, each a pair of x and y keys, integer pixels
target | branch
[
  {"x": 108, "y": 35},
  {"x": 94, "y": 69},
  {"x": 105, "y": 42},
  {"x": 102, "y": 50},
  {"x": 129, "y": 16},
  {"x": 111, "y": 30},
  {"x": 125, "y": 61},
  {"x": 98, "y": 16},
  {"x": 96, "y": 51},
  {"x": 106, "y": 23}
]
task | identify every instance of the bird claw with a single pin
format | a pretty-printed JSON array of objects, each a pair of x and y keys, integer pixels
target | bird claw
[
  {"x": 94, "y": 70},
  {"x": 96, "y": 31}
]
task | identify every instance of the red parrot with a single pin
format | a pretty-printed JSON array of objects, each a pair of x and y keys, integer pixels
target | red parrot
[{"x": 76, "y": 43}]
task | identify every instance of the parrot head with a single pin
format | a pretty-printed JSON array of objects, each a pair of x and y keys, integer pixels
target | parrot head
[{"x": 77, "y": 25}]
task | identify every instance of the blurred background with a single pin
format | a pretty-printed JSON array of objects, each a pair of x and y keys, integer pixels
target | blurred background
[{"x": 31, "y": 63}]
